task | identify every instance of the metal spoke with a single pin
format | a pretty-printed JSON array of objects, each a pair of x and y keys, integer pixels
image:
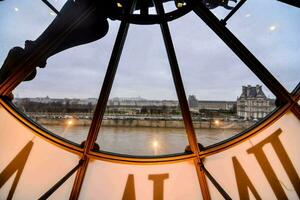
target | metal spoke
[
  {"x": 295, "y": 3},
  {"x": 101, "y": 104},
  {"x": 216, "y": 184},
  {"x": 241, "y": 51},
  {"x": 60, "y": 182},
  {"x": 182, "y": 99},
  {"x": 51, "y": 6}
]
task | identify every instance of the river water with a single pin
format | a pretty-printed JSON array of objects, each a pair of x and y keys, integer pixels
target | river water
[{"x": 142, "y": 141}]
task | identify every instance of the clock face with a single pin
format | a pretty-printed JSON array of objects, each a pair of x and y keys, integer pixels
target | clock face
[{"x": 152, "y": 108}]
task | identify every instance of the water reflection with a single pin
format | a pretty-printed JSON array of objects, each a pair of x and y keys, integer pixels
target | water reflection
[{"x": 143, "y": 141}]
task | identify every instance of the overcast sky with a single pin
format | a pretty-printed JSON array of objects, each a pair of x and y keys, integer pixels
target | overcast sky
[{"x": 210, "y": 70}]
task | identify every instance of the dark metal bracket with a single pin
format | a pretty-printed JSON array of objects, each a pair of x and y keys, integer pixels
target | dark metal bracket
[{"x": 232, "y": 12}]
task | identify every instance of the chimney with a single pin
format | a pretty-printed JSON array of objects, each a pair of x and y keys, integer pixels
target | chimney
[
  {"x": 258, "y": 89},
  {"x": 248, "y": 90},
  {"x": 244, "y": 89}
]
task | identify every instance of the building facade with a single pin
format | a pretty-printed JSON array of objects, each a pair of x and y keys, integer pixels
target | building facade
[
  {"x": 253, "y": 103},
  {"x": 194, "y": 103}
]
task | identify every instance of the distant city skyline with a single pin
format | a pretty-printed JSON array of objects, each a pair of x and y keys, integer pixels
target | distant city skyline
[
  {"x": 16, "y": 95},
  {"x": 123, "y": 98},
  {"x": 209, "y": 68}
]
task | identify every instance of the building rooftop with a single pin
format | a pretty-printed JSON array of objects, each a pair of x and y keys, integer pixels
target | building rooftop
[{"x": 252, "y": 92}]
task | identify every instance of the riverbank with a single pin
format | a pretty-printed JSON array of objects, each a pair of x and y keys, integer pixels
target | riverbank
[{"x": 158, "y": 123}]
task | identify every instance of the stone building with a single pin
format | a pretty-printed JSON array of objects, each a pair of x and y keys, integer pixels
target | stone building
[
  {"x": 193, "y": 102},
  {"x": 217, "y": 105},
  {"x": 209, "y": 104},
  {"x": 253, "y": 103}
]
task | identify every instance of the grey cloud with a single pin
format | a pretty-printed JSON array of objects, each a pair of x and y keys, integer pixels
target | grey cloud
[{"x": 209, "y": 68}]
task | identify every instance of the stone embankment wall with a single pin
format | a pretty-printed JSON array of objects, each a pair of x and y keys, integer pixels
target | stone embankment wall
[{"x": 149, "y": 123}]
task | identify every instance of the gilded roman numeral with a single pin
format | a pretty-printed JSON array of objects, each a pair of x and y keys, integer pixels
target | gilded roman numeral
[
  {"x": 243, "y": 181},
  {"x": 16, "y": 165},
  {"x": 129, "y": 193},
  {"x": 158, "y": 186}
]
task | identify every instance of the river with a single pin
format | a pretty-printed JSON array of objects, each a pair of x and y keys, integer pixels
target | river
[{"x": 142, "y": 141}]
